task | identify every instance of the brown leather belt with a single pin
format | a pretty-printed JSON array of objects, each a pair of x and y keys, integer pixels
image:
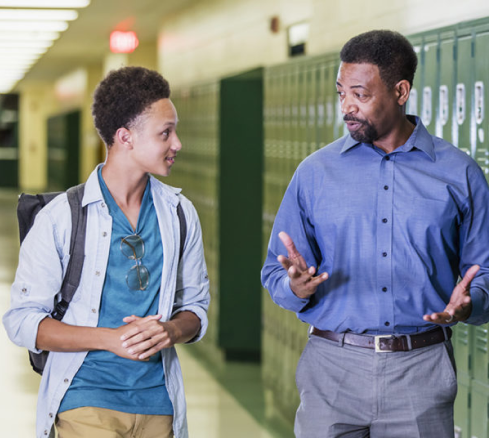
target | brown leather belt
[{"x": 388, "y": 343}]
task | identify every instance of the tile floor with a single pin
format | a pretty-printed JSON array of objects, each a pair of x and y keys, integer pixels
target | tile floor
[{"x": 214, "y": 411}]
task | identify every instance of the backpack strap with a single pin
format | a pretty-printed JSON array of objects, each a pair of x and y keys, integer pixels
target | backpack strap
[
  {"x": 72, "y": 277},
  {"x": 183, "y": 228}
]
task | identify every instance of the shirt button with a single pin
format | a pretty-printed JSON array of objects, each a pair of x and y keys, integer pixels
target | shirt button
[
  {"x": 387, "y": 323},
  {"x": 51, "y": 415},
  {"x": 24, "y": 290},
  {"x": 97, "y": 273},
  {"x": 46, "y": 432},
  {"x": 103, "y": 204},
  {"x": 384, "y": 289},
  {"x": 104, "y": 234},
  {"x": 384, "y": 220},
  {"x": 384, "y": 254},
  {"x": 66, "y": 380},
  {"x": 94, "y": 310},
  {"x": 387, "y": 158},
  {"x": 386, "y": 187}
]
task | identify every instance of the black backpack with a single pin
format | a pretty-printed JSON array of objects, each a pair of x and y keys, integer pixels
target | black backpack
[{"x": 27, "y": 208}]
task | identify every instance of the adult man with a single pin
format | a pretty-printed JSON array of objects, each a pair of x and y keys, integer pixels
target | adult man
[
  {"x": 390, "y": 216},
  {"x": 113, "y": 370}
]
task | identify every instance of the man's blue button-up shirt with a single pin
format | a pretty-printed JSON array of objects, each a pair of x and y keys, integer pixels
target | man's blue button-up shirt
[{"x": 393, "y": 231}]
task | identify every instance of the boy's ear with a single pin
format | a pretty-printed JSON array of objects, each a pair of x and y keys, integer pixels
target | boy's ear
[{"x": 123, "y": 137}]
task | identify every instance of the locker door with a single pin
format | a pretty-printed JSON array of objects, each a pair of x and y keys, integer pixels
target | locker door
[
  {"x": 444, "y": 120},
  {"x": 302, "y": 152},
  {"x": 462, "y": 407},
  {"x": 463, "y": 91},
  {"x": 321, "y": 104},
  {"x": 430, "y": 83},
  {"x": 413, "y": 104},
  {"x": 311, "y": 107},
  {"x": 331, "y": 100},
  {"x": 479, "y": 418},
  {"x": 481, "y": 96},
  {"x": 339, "y": 126}
]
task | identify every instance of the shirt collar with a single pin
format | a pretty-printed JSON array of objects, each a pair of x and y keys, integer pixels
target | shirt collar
[{"x": 420, "y": 139}]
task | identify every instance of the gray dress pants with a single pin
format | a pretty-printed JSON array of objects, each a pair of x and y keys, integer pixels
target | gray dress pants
[{"x": 354, "y": 392}]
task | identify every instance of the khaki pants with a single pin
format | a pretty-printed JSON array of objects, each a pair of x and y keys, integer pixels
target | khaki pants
[{"x": 106, "y": 423}]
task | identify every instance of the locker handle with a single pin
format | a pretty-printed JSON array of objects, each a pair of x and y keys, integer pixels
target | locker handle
[
  {"x": 427, "y": 106},
  {"x": 460, "y": 101},
  {"x": 479, "y": 102},
  {"x": 413, "y": 102},
  {"x": 444, "y": 105}
]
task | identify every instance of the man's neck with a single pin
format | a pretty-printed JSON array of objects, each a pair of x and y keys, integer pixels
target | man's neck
[{"x": 396, "y": 137}]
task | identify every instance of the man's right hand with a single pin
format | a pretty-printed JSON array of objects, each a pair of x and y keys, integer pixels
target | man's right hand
[{"x": 302, "y": 280}]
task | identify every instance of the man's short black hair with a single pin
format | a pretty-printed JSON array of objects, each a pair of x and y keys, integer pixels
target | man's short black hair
[
  {"x": 122, "y": 96},
  {"x": 391, "y": 52}
]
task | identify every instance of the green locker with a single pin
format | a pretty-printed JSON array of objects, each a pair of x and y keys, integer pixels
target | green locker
[
  {"x": 430, "y": 81},
  {"x": 480, "y": 353},
  {"x": 9, "y": 140},
  {"x": 339, "y": 129},
  {"x": 321, "y": 104},
  {"x": 481, "y": 96},
  {"x": 240, "y": 195},
  {"x": 463, "y": 92},
  {"x": 63, "y": 150},
  {"x": 462, "y": 406},
  {"x": 413, "y": 106},
  {"x": 312, "y": 96},
  {"x": 462, "y": 346},
  {"x": 302, "y": 151},
  {"x": 447, "y": 72},
  {"x": 331, "y": 99},
  {"x": 479, "y": 413}
]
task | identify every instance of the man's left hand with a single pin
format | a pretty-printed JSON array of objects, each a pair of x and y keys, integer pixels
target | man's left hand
[{"x": 460, "y": 306}]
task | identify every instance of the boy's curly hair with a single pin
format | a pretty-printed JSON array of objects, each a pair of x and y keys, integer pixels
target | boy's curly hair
[{"x": 122, "y": 96}]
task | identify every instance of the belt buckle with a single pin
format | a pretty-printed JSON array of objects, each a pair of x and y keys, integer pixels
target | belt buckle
[{"x": 377, "y": 343}]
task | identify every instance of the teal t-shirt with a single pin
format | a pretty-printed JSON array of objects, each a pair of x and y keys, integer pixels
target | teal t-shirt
[{"x": 106, "y": 380}]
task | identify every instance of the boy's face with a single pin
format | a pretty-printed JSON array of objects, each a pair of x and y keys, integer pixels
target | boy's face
[{"x": 154, "y": 137}]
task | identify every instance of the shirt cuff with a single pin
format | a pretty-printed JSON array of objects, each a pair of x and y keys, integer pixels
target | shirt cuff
[
  {"x": 293, "y": 302},
  {"x": 480, "y": 303}
]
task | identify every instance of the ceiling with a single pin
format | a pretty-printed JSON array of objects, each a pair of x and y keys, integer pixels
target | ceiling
[{"x": 86, "y": 41}]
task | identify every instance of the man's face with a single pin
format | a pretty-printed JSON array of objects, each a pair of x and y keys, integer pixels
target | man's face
[
  {"x": 369, "y": 107},
  {"x": 155, "y": 139}
]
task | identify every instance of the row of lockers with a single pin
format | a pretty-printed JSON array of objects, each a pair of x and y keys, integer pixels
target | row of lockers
[{"x": 301, "y": 115}]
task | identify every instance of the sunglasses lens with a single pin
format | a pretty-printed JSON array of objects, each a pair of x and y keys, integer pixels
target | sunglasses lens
[
  {"x": 132, "y": 247},
  {"x": 137, "y": 278}
]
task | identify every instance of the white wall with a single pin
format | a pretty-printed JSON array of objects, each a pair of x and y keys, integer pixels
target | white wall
[{"x": 216, "y": 38}]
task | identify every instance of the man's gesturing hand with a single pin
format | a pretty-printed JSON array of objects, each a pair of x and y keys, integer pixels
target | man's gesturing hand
[
  {"x": 302, "y": 280},
  {"x": 460, "y": 306}
]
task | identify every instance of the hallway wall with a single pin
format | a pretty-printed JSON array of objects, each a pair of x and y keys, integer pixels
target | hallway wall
[{"x": 216, "y": 38}]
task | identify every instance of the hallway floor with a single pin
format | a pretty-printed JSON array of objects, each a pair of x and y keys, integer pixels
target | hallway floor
[{"x": 215, "y": 409}]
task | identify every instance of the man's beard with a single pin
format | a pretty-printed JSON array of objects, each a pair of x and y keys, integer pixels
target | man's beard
[{"x": 367, "y": 132}]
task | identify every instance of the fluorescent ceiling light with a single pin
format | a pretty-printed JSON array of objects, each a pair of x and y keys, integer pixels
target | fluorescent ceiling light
[
  {"x": 22, "y": 51},
  {"x": 38, "y": 14},
  {"x": 46, "y": 26},
  {"x": 26, "y": 44},
  {"x": 44, "y": 3},
  {"x": 28, "y": 36}
]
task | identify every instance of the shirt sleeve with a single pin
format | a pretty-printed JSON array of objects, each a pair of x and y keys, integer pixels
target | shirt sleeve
[
  {"x": 192, "y": 293},
  {"x": 37, "y": 282},
  {"x": 474, "y": 247},
  {"x": 292, "y": 217}
]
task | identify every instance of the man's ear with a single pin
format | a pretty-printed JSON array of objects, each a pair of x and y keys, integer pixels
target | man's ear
[
  {"x": 123, "y": 137},
  {"x": 403, "y": 88}
]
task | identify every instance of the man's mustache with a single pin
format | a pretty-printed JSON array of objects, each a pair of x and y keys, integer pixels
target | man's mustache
[{"x": 349, "y": 118}]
